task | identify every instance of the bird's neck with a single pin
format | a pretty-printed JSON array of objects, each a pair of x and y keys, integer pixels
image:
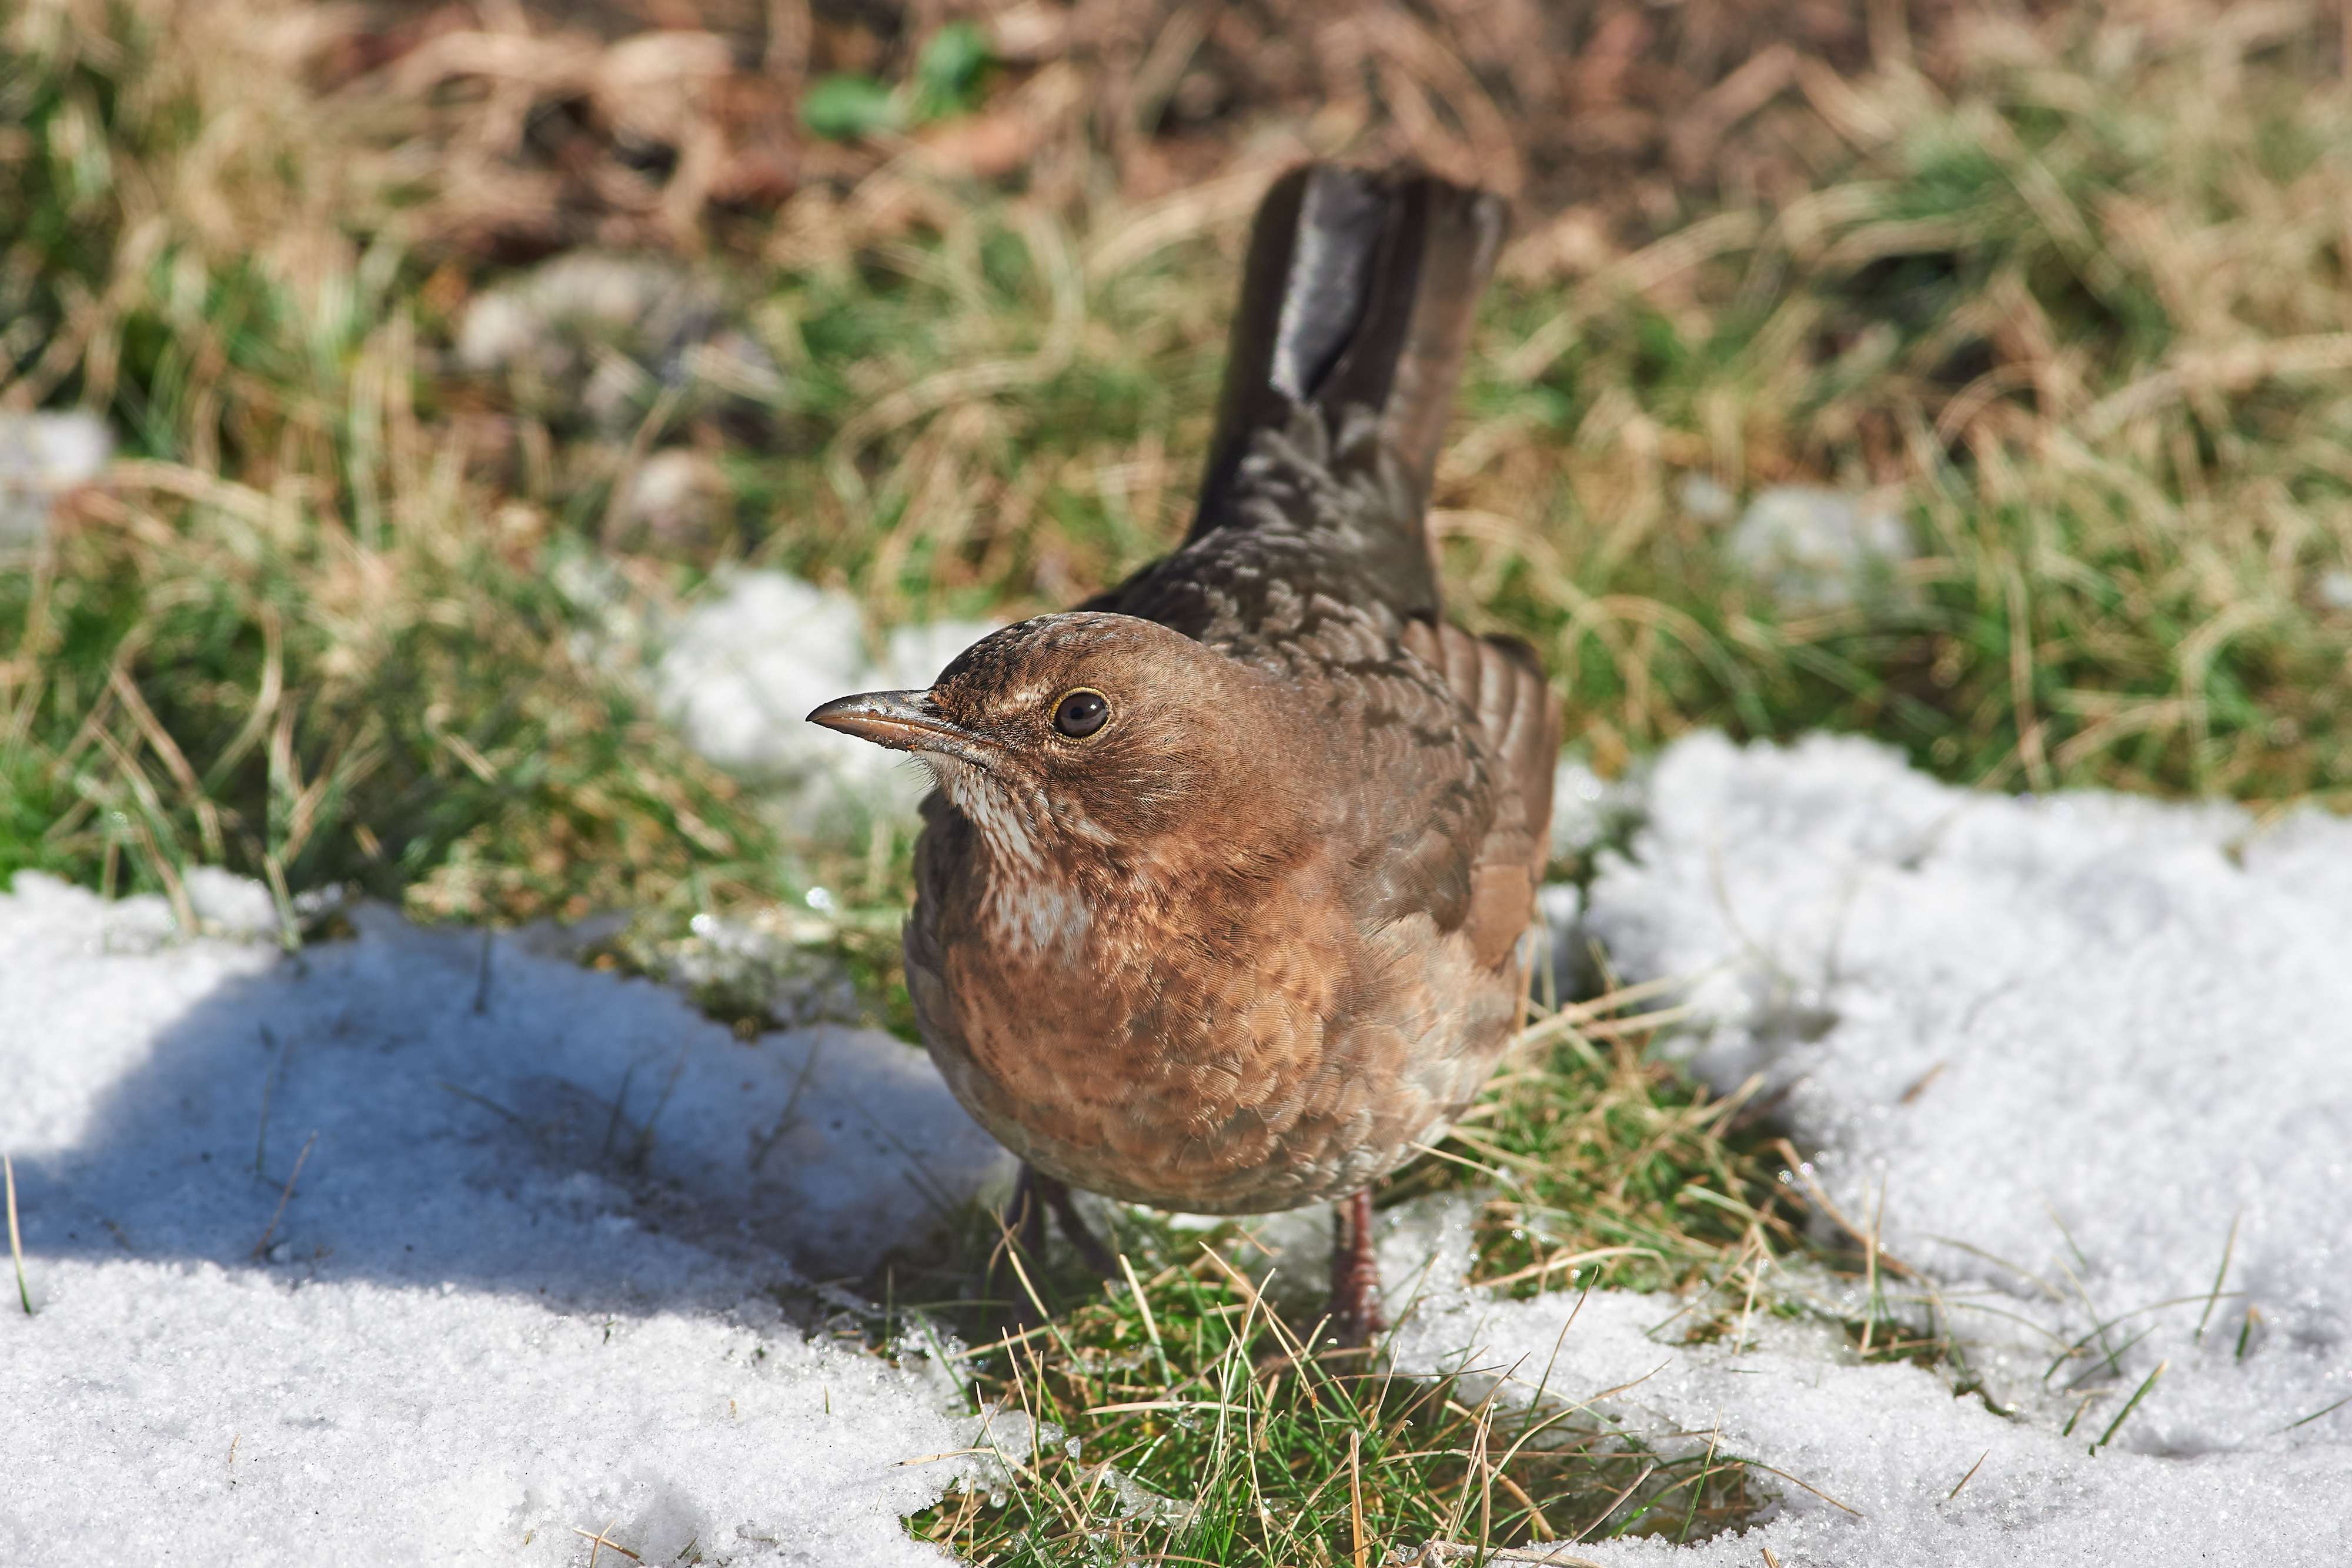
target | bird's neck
[{"x": 1063, "y": 891}]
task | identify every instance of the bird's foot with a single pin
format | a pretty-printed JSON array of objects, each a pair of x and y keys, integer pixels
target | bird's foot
[{"x": 1354, "y": 1313}]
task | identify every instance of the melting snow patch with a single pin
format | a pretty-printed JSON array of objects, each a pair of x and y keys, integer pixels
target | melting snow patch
[
  {"x": 527, "y": 1280},
  {"x": 43, "y": 456},
  {"x": 2093, "y": 1053},
  {"x": 1871, "y": 1458},
  {"x": 1588, "y": 810},
  {"x": 1820, "y": 550},
  {"x": 744, "y": 669}
]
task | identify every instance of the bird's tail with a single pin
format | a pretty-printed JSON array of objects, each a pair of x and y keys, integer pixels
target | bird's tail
[{"x": 1359, "y": 290}]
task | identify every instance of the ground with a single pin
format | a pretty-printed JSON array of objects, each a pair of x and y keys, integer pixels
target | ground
[{"x": 548, "y": 1257}]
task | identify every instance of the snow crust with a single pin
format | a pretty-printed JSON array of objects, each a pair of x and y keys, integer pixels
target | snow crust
[
  {"x": 2073, "y": 1044},
  {"x": 1817, "y": 549},
  {"x": 744, "y": 667},
  {"x": 549, "y": 1262},
  {"x": 43, "y": 456},
  {"x": 1889, "y": 1442}
]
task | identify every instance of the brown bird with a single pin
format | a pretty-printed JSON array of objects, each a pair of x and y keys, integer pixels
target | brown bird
[{"x": 1219, "y": 902}]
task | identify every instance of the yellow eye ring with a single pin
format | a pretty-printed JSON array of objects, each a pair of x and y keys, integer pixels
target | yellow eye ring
[{"x": 1080, "y": 712}]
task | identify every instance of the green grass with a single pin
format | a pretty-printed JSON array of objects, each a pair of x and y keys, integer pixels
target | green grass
[{"x": 2069, "y": 297}]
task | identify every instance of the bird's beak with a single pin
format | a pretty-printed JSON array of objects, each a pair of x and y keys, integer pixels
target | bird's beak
[{"x": 903, "y": 721}]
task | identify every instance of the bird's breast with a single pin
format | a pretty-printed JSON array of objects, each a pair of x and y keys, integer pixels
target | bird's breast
[{"x": 1219, "y": 1049}]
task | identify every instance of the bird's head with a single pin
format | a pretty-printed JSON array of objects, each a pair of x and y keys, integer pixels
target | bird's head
[{"x": 1084, "y": 732}]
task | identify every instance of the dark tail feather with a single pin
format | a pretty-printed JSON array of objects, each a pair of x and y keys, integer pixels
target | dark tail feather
[{"x": 1359, "y": 289}]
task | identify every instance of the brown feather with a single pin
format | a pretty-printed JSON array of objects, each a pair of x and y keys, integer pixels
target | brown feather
[{"x": 1257, "y": 939}]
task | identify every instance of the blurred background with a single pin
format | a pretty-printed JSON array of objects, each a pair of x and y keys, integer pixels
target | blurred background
[{"x": 445, "y": 447}]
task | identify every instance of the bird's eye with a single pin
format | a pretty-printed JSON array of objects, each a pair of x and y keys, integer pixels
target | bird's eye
[{"x": 1081, "y": 713}]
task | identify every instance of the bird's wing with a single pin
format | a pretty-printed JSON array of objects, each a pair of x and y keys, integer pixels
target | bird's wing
[{"x": 1509, "y": 726}]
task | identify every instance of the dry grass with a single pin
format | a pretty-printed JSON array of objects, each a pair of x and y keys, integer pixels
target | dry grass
[
  {"x": 291, "y": 632},
  {"x": 16, "y": 1240}
]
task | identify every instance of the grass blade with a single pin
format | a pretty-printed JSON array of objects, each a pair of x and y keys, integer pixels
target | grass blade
[
  {"x": 2129, "y": 1405},
  {"x": 16, "y": 1242}
]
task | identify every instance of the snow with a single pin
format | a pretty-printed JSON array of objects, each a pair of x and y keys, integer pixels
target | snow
[
  {"x": 1889, "y": 1442},
  {"x": 549, "y": 1261},
  {"x": 737, "y": 670},
  {"x": 1819, "y": 550},
  {"x": 746, "y": 666},
  {"x": 1588, "y": 810},
  {"x": 1704, "y": 498},
  {"x": 42, "y": 455},
  {"x": 2073, "y": 1043}
]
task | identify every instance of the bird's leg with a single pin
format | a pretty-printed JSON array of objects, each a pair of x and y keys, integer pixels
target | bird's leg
[
  {"x": 1056, "y": 1196},
  {"x": 1022, "y": 1225},
  {"x": 1355, "y": 1308}
]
